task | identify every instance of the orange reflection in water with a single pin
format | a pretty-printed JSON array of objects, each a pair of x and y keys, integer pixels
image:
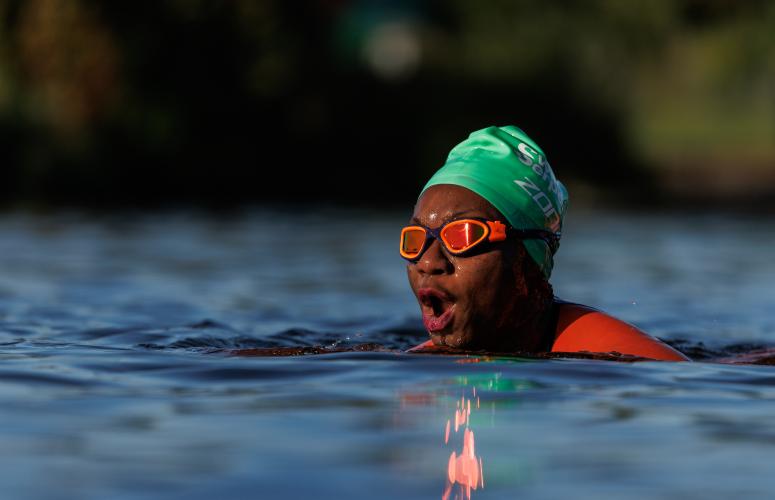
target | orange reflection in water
[{"x": 464, "y": 469}]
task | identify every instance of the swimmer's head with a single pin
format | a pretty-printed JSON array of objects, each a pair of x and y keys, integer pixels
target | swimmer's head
[
  {"x": 509, "y": 170},
  {"x": 494, "y": 294}
]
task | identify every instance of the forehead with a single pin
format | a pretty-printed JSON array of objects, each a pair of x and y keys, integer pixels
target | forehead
[{"x": 443, "y": 202}]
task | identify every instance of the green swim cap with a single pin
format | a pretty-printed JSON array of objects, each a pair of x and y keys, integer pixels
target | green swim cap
[{"x": 505, "y": 167}]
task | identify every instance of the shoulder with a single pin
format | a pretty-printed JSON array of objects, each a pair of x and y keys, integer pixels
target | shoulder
[{"x": 583, "y": 328}]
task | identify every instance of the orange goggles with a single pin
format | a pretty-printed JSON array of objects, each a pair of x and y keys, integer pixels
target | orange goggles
[{"x": 462, "y": 235}]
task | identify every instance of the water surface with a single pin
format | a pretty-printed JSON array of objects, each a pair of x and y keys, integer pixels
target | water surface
[{"x": 117, "y": 380}]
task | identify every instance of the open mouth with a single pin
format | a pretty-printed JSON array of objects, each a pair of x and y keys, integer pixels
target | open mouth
[{"x": 437, "y": 309}]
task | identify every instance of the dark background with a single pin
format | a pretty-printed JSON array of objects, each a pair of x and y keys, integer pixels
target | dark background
[{"x": 222, "y": 103}]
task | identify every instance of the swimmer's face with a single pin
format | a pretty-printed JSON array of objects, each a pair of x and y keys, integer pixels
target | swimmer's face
[{"x": 475, "y": 301}]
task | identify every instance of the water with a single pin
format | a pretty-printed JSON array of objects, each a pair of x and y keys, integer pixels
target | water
[{"x": 118, "y": 378}]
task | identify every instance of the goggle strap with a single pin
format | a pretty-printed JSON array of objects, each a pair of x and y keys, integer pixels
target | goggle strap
[{"x": 551, "y": 239}]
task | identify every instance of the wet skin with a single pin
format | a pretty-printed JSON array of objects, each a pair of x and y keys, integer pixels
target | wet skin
[{"x": 477, "y": 301}]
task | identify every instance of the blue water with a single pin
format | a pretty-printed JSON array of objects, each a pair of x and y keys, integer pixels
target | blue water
[{"x": 118, "y": 378}]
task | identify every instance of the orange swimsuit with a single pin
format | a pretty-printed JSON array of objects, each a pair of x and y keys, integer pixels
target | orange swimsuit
[
  {"x": 585, "y": 329},
  {"x": 581, "y": 328}
]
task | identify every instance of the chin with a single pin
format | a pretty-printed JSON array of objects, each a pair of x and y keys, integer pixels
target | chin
[{"x": 454, "y": 340}]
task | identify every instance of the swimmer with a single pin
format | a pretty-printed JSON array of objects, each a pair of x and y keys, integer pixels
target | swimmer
[{"x": 480, "y": 250}]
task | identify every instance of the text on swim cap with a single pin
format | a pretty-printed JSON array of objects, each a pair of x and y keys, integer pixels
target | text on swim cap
[
  {"x": 543, "y": 202},
  {"x": 533, "y": 159}
]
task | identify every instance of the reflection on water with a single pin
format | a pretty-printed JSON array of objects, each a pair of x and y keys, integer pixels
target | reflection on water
[{"x": 464, "y": 469}]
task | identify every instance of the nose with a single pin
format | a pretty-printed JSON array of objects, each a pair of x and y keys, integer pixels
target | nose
[{"x": 434, "y": 260}]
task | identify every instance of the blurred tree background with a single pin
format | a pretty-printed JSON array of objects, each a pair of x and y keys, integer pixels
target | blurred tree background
[{"x": 225, "y": 102}]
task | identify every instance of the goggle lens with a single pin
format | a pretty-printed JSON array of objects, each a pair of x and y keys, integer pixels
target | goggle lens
[
  {"x": 412, "y": 241},
  {"x": 462, "y": 235}
]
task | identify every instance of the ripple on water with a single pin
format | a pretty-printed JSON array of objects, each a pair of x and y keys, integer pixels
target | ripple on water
[{"x": 134, "y": 364}]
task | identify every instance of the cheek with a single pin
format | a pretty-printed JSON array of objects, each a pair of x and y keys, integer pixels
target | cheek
[
  {"x": 485, "y": 284},
  {"x": 411, "y": 275}
]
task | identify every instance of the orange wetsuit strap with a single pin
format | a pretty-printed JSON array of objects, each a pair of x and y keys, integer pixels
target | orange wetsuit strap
[{"x": 424, "y": 345}]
